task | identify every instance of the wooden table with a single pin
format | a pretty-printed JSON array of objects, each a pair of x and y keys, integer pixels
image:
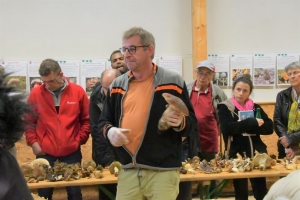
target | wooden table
[
  {"x": 204, "y": 179},
  {"x": 107, "y": 179},
  {"x": 276, "y": 171}
]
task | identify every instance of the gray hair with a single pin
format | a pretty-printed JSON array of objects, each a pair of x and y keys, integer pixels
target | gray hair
[
  {"x": 293, "y": 65},
  {"x": 146, "y": 37}
]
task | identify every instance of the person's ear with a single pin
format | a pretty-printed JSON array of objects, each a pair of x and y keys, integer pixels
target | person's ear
[{"x": 151, "y": 50}]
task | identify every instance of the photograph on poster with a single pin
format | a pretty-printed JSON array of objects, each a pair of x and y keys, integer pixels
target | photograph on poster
[
  {"x": 34, "y": 82},
  {"x": 221, "y": 79},
  {"x": 264, "y": 76},
  {"x": 282, "y": 78},
  {"x": 90, "y": 83},
  {"x": 18, "y": 82},
  {"x": 73, "y": 79},
  {"x": 235, "y": 73}
]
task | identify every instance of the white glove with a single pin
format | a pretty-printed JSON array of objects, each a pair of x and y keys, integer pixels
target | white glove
[{"x": 116, "y": 136}]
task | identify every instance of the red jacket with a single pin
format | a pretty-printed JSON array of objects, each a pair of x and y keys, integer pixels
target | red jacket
[{"x": 59, "y": 134}]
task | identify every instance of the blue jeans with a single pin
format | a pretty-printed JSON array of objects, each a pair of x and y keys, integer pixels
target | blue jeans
[{"x": 74, "y": 192}]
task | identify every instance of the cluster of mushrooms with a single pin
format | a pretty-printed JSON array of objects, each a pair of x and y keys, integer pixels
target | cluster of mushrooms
[
  {"x": 217, "y": 165},
  {"x": 292, "y": 164},
  {"x": 40, "y": 169}
]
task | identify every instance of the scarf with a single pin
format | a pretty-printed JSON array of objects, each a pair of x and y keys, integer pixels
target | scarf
[
  {"x": 249, "y": 105},
  {"x": 294, "y": 121}
]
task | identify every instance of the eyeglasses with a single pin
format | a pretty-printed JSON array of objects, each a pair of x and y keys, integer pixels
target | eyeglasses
[
  {"x": 51, "y": 81},
  {"x": 293, "y": 73},
  {"x": 131, "y": 49},
  {"x": 200, "y": 73}
]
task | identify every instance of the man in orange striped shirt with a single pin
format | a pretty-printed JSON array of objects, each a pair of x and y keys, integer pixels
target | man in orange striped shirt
[{"x": 150, "y": 158}]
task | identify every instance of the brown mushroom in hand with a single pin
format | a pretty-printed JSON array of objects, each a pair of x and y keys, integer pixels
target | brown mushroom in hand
[{"x": 174, "y": 103}]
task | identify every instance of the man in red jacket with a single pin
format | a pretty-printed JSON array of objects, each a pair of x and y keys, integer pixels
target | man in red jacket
[{"x": 61, "y": 123}]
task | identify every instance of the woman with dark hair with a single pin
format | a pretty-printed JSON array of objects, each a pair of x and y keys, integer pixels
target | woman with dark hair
[
  {"x": 12, "y": 110},
  {"x": 244, "y": 135}
]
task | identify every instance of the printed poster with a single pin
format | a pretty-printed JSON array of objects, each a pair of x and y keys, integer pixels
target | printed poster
[
  {"x": 240, "y": 64},
  {"x": 70, "y": 69},
  {"x": 173, "y": 63},
  {"x": 91, "y": 72},
  {"x": 283, "y": 60},
  {"x": 221, "y": 62},
  {"x": 34, "y": 79},
  {"x": 264, "y": 69},
  {"x": 17, "y": 71}
]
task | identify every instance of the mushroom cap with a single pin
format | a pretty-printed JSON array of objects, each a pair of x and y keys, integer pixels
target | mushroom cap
[
  {"x": 176, "y": 103},
  {"x": 40, "y": 161}
]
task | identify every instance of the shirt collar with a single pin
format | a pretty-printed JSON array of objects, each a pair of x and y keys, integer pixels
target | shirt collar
[{"x": 208, "y": 89}]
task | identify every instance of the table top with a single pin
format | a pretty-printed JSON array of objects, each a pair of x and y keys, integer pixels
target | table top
[{"x": 275, "y": 171}]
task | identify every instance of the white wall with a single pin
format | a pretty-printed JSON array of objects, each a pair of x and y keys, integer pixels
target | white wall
[
  {"x": 66, "y": 29},
  {"x": 254, "y": 26},
  {"x": 90, "y": 29}
]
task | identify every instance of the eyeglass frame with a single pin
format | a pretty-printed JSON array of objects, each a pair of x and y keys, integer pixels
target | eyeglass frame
[
  {"x": 51, "y": 81},
  {"x": 294, "y": 73},
  {"x": 200, "y": 73},
  {"x": 131, "y": 51}
]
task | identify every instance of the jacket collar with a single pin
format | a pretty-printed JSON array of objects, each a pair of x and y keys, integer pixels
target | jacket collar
[{"x": 130, "y": 75}]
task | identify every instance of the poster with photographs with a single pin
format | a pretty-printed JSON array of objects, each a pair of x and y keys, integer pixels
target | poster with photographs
[
  {"x": 264, "y": 66},
  {"x": 221, "y": 63},
  {"x": 34, "y": 78},
  {"x": 90, "y": 73},
  {"x": 283, "y": 60},
  {"x": 173, "y": 63},
  {"x": 240, "y": 64},
  {"x": 17, "y": 71},
  {"x": 70, "y": 68}
]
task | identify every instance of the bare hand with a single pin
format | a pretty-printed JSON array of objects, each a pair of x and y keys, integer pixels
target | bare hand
[
  {"x": 260, "y": 122},
  {"x": 37, "y": 150},
  {"x": 290, "y": 154},
  {"x": 283, "y": 140},
  {"x": 174, "y": 118}
]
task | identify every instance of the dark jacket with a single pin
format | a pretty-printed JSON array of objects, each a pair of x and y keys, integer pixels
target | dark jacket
[
  {"x": 281, "y": 115},
  {"x": 233, "y": 129},
  {"x": 192, "y": 144},
  {"x": 160, "y": 150},
  {"x": 12, "y": 181},
  {"x": 102, "y": 152}
]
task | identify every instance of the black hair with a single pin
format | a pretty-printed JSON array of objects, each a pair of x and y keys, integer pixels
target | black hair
[
  {"x": 245, "y": 78},
  {"x": 13, "y": 108},
  {"x": 114, "y": 52}
]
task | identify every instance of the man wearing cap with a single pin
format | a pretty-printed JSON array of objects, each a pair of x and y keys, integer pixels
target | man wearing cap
[{"x": 205, "y": 97}]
